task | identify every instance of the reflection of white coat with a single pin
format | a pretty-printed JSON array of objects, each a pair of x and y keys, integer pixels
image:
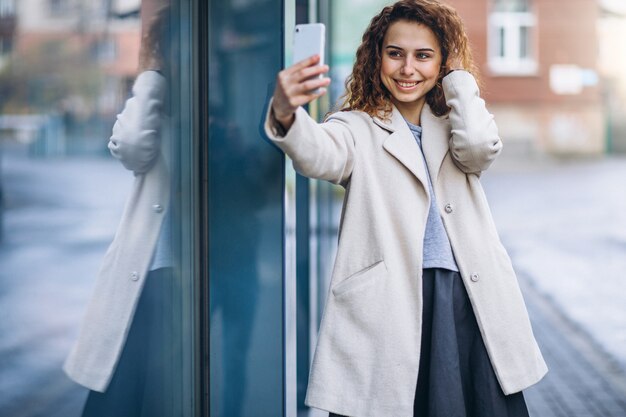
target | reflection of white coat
[
  {"x": 136, "y": 143},
  {"x": 367, "y": 357}
]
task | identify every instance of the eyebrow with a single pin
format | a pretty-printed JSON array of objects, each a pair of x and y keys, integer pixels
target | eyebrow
[{"x": 420, "y": 49}]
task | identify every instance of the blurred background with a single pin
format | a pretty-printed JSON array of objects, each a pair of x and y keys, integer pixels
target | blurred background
[{"x": 253, "y": 242}]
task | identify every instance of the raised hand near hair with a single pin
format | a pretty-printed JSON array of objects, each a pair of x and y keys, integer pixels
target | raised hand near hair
[
  {"x": 296, "y": 86},
  {"x": 454, "y": 62}
]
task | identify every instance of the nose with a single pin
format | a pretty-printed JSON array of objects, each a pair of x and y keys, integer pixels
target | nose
[{"x": 407, "y": 66}]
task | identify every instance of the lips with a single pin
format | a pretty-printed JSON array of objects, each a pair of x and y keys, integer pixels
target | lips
[{"x": 406, "y": 85}]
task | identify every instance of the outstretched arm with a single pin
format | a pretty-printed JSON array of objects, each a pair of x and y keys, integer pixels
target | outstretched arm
[
  {"x": 296, "y": 86},
  {"x": 323, "y": 151},
  {"x": 318, "y": 150}
]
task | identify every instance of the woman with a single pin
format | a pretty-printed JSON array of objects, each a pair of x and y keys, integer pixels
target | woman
[
  {"x": 127, "y": 347},
  {"x": 425, "y": 316}
]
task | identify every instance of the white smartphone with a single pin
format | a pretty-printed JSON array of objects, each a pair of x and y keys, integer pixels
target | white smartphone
[{"x": 309, "y": 39}]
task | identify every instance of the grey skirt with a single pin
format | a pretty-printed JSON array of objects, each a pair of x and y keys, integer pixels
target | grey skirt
[{"x": 455, "y": 377}]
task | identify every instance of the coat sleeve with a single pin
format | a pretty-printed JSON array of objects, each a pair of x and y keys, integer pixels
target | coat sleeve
[
  {"x": 136, "y": 138},
  {"x": 474, "y": 143},
  {"x": 318, "y": 150}
]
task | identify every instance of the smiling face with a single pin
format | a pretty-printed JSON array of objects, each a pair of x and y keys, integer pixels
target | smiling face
[{"x": 411, "y": 60}]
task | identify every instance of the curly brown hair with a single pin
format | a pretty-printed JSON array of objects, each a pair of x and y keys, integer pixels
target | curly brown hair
[{"x": 364, "y": 88}]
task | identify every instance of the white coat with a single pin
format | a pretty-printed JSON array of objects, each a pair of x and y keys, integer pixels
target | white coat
[
  {"x": 367, "y": 356},
  {"x": 136, "y": 142}
]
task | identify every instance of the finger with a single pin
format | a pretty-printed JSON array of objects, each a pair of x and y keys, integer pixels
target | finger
[
  {"x": 307, "y": 87},
  {"x": 311, "y": 85},
  {"x": 303, "y": 99},
  {"x": 287, "y": 80},
  {"x": 319, "y": 93},
  {"x": 310, "y": 61},
  {"x": 295, "y": 88},
  {"x": 299, "y": 94},
  {"x": 310, "y": 72}
]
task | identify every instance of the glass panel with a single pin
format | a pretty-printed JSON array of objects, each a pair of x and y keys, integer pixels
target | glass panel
[
  {"x": 7, "y": 8},
  {"x": 96, "y": 276},
  {"x": 304, "y": 294},
  {"x": 511, "y": 5},
  {"x": 245, "y": 208},
  {"x": 524, "y": 42},
  {"x": 346, "y": 21}
]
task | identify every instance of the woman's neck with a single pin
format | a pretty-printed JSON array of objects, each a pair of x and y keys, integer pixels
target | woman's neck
[{"x": 410, "y": 111}]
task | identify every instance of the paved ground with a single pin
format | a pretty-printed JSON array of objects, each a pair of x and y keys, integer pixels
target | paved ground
[
  {"x": 60, "y": 216},
  {"x": 564, "y": 224},
  {"x": 582, "y": 381}
]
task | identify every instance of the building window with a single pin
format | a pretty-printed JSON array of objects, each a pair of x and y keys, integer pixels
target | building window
[
  {"x": 511, "y": 47},
  {"x": 7, "y": 8},
  {"x": 59, "y": 7}
]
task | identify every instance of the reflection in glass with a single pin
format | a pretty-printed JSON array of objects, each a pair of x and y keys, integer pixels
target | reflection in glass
[
  {"x": 62, "y": 82},
  {"x": 524, "y": 42},
  {"x": 245, "y": 213}
]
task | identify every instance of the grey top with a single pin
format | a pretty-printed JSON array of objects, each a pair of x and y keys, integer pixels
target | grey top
[{"x": 437, "y": 249}]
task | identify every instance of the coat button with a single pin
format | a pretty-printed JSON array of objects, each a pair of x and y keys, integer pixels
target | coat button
[
  {"x": 134, "y": 276},
  {"x": 474, "y": 277},
  {"x": 157, "y": 208},
  {"x": 448, "y": 208}
]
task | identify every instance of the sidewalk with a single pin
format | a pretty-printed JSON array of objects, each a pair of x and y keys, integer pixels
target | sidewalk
[
  {"x": 564, "y": 224},
  {"x": 582, "y": 380},
  {"x": 60, "y": 217}
]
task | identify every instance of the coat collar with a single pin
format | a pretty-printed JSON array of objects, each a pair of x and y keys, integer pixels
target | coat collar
[{"x": 401, "y": 143}]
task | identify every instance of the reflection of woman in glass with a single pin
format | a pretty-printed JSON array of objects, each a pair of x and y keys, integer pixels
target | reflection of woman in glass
[
  {"x": 126, "y": 348},
  {"x": 425, "y": 316}
]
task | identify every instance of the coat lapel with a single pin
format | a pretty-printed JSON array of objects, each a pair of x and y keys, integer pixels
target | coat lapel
[
  {"x": 402, "y": 146},
  {"x": 435, "y": 137}
]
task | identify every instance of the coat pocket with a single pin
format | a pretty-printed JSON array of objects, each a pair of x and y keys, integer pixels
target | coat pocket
[{"x": 363, "y": 278}]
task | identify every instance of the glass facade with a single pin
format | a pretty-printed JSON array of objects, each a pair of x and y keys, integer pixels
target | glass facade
[
  {"x": 245, "y": 182},
  {"x": 67, "y": 290}
]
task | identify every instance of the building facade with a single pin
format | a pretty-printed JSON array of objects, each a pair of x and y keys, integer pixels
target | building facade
[{"x": 540, "y": 68}]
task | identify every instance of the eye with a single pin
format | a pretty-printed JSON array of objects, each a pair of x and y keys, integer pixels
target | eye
[
  {"x": 394, "y": 54},
  {"x": 422, "y": 55}
]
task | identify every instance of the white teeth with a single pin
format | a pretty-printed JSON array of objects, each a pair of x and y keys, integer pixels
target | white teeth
[{"x": 407, "y": 85}]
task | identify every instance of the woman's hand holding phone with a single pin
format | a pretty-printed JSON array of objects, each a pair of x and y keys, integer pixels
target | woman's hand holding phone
[{"x": 296, "y": 86}]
